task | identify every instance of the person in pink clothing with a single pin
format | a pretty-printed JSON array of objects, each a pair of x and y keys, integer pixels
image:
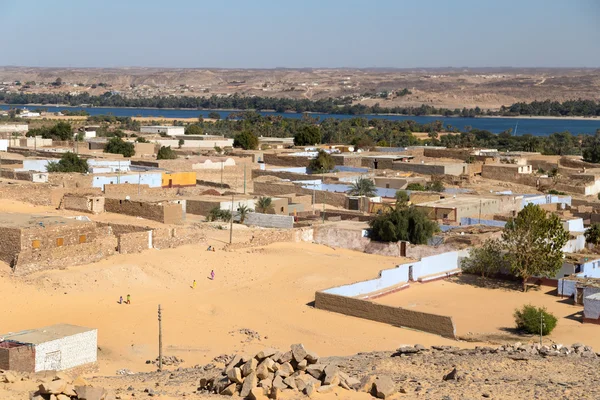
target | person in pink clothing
[{"x": 212, "y": 274}]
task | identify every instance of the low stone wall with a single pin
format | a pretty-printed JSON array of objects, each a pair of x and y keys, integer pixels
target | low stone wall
[
  {"x": 167, "y": 213},
  {"x": 335, "y": 236},
  {"x": 164, "y": 238},
  {"x": 276, "y": 189},
  {"x": 270, "y": 220},
  {"x": 285, "y": 161},
  {"x": 432, "y": 323},
  {"x": 134, "y": 242}
]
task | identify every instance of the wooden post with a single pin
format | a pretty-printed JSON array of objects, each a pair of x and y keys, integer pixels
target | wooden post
[
  {"x": 231, "y": 222},
  {"x": 160, "y": 356}
]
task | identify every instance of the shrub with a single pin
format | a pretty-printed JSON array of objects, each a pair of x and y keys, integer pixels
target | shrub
[
  {"x": 141, "y": 140},
  {"x": 529, "y": 317},
  {"x": 69, "y": 162},
  {"x": 193, "y": 130},
  {"x": 415, "y": 187},
  {"x": 403, "y": 223},
  {"x": 246, "y": 140},
  {"x": 116, "y": 145},
  {"x": 166, "y": 153},
  {"x": 322, "y": 163},
  {"x": 216, "y": 214},
  {"x": 435, "y": 186}
]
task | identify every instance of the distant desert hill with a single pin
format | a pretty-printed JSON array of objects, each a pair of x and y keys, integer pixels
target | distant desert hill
[{"x": 440, "y": 87}]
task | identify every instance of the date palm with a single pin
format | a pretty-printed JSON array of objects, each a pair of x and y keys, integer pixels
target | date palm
[
  {"x": 264, "y": 205},
  {"x": 363, "y": 187},
  {"x": 243, "y": 211}
]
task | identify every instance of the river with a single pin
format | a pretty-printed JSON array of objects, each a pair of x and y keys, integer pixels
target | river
[{"x": 534, "y": 126}]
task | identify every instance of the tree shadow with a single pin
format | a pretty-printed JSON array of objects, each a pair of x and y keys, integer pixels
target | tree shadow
[{"x": 486, "y": 283}]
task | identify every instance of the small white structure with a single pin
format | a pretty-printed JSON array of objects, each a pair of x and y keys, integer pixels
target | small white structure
[
  {"x": 168, "y": 130},
  {"x": 57, "y": 347},
  {"x": 213, "y": 163},
  {"x": 14, "y": 128},
  {"x": 591, "y": 308},
  {"x": 3, "y": 144}
]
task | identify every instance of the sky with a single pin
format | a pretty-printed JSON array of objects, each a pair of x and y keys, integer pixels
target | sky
[{"x": 300, "y": 34}]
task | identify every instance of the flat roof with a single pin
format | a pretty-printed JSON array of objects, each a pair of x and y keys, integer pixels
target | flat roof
[
  {"x": 161, "y": 126},
  {"x": 45, "y": 334},
  {"x": 14, "y": 220},
  {"x": 390, "y": 157},
  {"x": 451, "y": 202}
]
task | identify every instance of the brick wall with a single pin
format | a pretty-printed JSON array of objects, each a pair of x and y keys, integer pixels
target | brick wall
[
  {"x": 10, "y": 244},
  {"x": 70, "y": 180},
  {"x": 167, "y": 213},
  {"x": 347, "y": 161},
  {"x": 382, "y": 163},
  {"x": 20, "y": 358},
  {"x": 396, "y": 316},
  {"x": 285, "y": 161},
  {"x": 134, "y": 242}
]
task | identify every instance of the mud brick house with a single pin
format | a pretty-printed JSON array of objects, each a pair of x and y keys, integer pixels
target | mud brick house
[
  {"x": 33, "y": 242},
  {"x": 53, "y": 348}
]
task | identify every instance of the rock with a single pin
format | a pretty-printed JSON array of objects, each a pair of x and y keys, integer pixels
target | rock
[
  {"x": 315, "y": 370},
  {"x": 312, "y": 357},
  {"x": 248, "y": 385},
  {"x": 299, "y": 352},
  {"x": 291, "y": 382},
  {"x": 326, "y": 389},
  {"x": 452, "y": 375},
  {"x": 302, "y": 381},
  {"x": 310, "y": 389},
  {"x": 8, "y": 377},
  {"x": 262, "y": 371},
  {"x": 221, "y": 384},
  {"x": 286, "y": 357},
  {"x": 577, "y": 345},
  {"x": 89, "y": 392},
  {"x": 420, "y": 347},
  {"x": 70, "y": 390},
  {"x": 352, "y": 382},
  {"x": 266, "y": 383},
  {"x": 406, "y": 350},
  {"x": 302, "y": 365},
  {"x": 384, "y": 387},
  {"x": 331, "y": 375},
  {"x": 80, "y": 381},
  {"x": 270, "y": 364},
  {"x": 229, "y": 390},
  {"x": 53, "y": 387},
  {"x": 268, "y": 352},
  {"x": 62, "y": 397},
  {"x": 235, "y": 362},
  {"x": 366, "y": 384},
  {"x": 278, "y": 383},
  {"x": 257, "y": 394},
  {"x": 285, "y": 370},
  {"x": 235, "y": 375},
  {"x": 249, "y": 367}
]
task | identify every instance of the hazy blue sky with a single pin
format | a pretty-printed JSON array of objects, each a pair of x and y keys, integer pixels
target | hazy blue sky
[{"x": 304, "y": 33}]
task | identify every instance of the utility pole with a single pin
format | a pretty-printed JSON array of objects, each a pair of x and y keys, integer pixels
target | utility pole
[
  {"x": 160, "y": 357},
  {"x": 231, "y": 222},
  {"x": 244, "y": 178}
]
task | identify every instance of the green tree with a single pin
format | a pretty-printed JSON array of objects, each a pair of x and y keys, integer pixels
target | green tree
[
  {"x": 264, "y": 205},
  {"x": 435, "y": 185},
  {"x": 532, "y": 320},
  {"x": 406, "y": 223},
  {"x": 534, "y": 241},
  {"x": 591, "y": 148},
  {"x": 242, "y": 211},
  {"x": 216, "y": 214},
  {"x": 363, "y": 187},
  {"x": 417, "y": 187},
  {"x": 486, "y": 260},
  {"x": 166, "y": 153},
  {"x": 401, "y": 198},
  {"x": 69, "y": 162},
  {"x": 322, "y": 163},
  {"x": 180, "y": 142},
  {"x": 214, "y": 115},
  {"x": 61, "y": 131},
  {"x": 116, "y": 145},
  {"x": 141, "y": 139},
  {"x": 592, "y": 234},
  {"x": 193, "y": 130},
  {"x": 246, "y": 140},
  {"x": 308, "y": 135}
]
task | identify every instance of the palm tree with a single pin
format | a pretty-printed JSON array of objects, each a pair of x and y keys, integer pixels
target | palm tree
[
  {"x": 363, "y": 187},
  {"x": 264, "y": 205},
  {"x": 242, "y": 211}
]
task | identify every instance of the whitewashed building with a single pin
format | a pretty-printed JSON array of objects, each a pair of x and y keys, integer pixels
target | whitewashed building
[
  {"x": 168, "y": 130},
  {"x": 53, "y": 348}
]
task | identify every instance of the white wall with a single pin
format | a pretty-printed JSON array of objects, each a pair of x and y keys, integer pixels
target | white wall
[
  {"x": 113, "y": 165},
  {"x": 152, "y": 180},
  {"x": 14, "y": 128},
  {"x": 226, "y": 205},
  {"x": 591, "y": 307},
  {"x": 74, "y": 350},
  {"x": 566, "y": 287},
  {"x": 208, "y": 164},
  {"x": 3, "y": 144},
  {"x": 169, "y": 130},
  {"x": 37, "y": 165}
]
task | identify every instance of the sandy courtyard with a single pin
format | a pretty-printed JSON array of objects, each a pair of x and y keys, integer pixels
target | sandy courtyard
[{"x": 489, "y": 311}]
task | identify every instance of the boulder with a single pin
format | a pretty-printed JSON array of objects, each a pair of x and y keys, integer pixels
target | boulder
[
  {"x": 235, "y": 375},
  {"x": 286, "y": 357},
  {"x": 331, "y": 375},
  {"x": 312, "y": 357},
  {"x": 70, "y": 390},
  {"x": 406, "y": 350},
  {"x": 299, "y": 352},
  {"x": 266, "y": 383},
  {"x": 235, "y": 362},
  {"x": 310, "y": 389},
  {"x": 268, "y": 352},
  {"x": 249, "y": 367},
  {"x": 257, "y": 394},
  {"x": 248, "y": 385},
  {"x": 452, "y": 375},
  {"x": 53, "y": 387},
  {"x": 366, "y": 384},
  {"x": 221, "y": 384},
  {"x": 315, "y": 370},
  {"x": 285, "y": 370},
  {"x": 80, "y": 381},
  {"x": 302, "y": 365},
  {"x": 384, "y": 387},
  {"x": 89, "y": 392},
  {"x": 278, "y": 383},
  {"x": 302, "y": 381},
  {"x": 326, "y": 389},
  {"x": 352, "y": 382},
  {"x": 262, "y": 371},
  {"x": 275, "y": 393},
  {"x": 8, "y": 377},
  {"x": 270, "y": 364},
  {"x": 229, "y": 390},
  {"x": 291, "y": 382}
]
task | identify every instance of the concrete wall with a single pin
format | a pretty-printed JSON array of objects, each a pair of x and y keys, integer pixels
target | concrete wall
[
  {"x": 75, "y": 350},
  {"x": 178, "y": 179},
  {"x": 111, "y": 165},
  {"x": 143, "y": 149},
  {"x": 431, "y": 169},
  {"x": 486, "y": 222},
  {"x": 591, "y": 308},
  {"x": 152, "y": 179},
  {"x": 567, "y": 287},
  {"x": 88, "y": 204},
  {"x": 270, "y": 220},
  {"x": 36, "y": 165},
  {"x": 432, "y": 323},
  {"x": 134, "y": 242}
]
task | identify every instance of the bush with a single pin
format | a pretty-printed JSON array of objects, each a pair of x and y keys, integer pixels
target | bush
[
  {"x": 528, "y": 320},
  {"x": 308, "y": 136},
  {"x": 322, "y": 163},
  {"x": 193, "y": 130},
  {"x": 141, "y": 140},
  {"x": 69, "y": 162},
  {"x": 402, "y": 223},
  {"x": 216, "y": 214},
  {"x": 214, "y": 115},
  {"x": 116, "y": 145},
  {"x": 415, "y": 187},
  {"x": 435, "y": 186},
  {"x": 166, "y": 153},
  {"x": 246, "y": 140}
]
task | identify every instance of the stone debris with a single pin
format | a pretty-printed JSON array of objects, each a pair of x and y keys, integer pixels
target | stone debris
[
  {"x": 167, "y": 361},
  {"x": 270, "y": 372},
  {"x": 249, "y": 333},
  {"x": 516, "y": 351},
  {"x": 61, "y": 387}
]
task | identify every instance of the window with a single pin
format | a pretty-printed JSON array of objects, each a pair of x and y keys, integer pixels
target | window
[
  {"x": 35, "y": 244},
  {"x": 281, "y": 209},
  {"x": 82, "y": 239},
  {"x": 60, "y": 242}
]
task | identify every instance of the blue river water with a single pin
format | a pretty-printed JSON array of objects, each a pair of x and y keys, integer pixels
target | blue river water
[{"x": 532, "y": 125}]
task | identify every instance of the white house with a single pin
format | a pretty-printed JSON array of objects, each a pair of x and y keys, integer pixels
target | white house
[{"x": 168, "y": 130}]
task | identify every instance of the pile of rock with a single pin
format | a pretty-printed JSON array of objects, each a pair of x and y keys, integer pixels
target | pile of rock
[
  {"x": 270, "y": 372},
  {"x": 166, "y": 361},
  {"x": 62, "y": 388},
  {"x": 514, "y": 349}
]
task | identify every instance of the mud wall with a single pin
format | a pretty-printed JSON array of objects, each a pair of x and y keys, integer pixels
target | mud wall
[
  {"x": 134, "y": 242},
  {"x": 432, "y": 323}
]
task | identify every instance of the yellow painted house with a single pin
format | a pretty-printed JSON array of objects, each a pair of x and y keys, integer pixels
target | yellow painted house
[{"x": 178, "y": 179}]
